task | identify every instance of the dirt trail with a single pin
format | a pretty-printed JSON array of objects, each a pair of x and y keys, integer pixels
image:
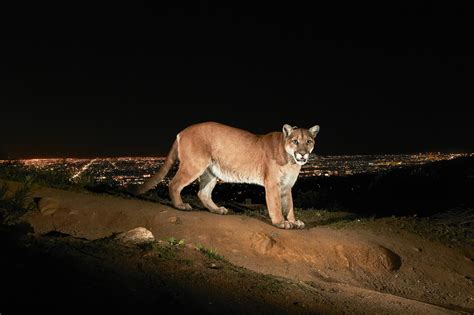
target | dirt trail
[{"x": 395, "y": 272}]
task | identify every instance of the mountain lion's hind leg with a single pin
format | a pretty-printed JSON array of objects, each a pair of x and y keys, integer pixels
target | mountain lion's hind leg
[
  {"x": 207, "y": 182},
  {"x": 187, "y": 173}
]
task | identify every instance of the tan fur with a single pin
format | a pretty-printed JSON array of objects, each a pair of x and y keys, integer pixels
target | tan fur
[{"x": 211, "y": 151}]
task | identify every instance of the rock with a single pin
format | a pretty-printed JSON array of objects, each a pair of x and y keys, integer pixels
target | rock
[
  {"x": 138, "y": 235},
  {"x": 48, "y": 205},
  {"x": 215, "y": 266},
  {"x": 416, "y": 249},
  {"x": 174, "y": 220}
]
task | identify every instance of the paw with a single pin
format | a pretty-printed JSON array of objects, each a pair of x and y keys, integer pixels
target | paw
[
  {"x": 298, "y": 224},
  {"x": 287, "y": 225},
  {"x": 222, "y": 210},
  {"x": 219, "y": 210},
  {"x": 184, "y": 206}
]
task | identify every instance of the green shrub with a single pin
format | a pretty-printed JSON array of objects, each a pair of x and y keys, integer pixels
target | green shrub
[{"x": 210, "y": 253}]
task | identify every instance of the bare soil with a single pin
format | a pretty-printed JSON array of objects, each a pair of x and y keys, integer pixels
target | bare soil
[{"x": 248, "y": 265}]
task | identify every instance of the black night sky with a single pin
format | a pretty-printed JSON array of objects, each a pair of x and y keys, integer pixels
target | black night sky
[{"x": 122, "y": 81}]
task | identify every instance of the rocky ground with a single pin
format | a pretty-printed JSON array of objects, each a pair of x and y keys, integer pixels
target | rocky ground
[{"x": 70, "y": 253}]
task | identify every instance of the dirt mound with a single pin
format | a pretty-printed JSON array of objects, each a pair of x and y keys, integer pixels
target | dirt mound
[
  {"x": 321, "y": 256},
  {"x": 369, "y": 258}
]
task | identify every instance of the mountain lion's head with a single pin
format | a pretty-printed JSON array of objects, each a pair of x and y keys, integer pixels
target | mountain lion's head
[{"x": 299, "y": 142}]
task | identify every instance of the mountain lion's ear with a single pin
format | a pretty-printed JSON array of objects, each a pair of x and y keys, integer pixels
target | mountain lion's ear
[
  {"x": 287, "y": 129},
  {"x": 314, "y": 131}
]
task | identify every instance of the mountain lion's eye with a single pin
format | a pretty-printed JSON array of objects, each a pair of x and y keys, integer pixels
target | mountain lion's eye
[
  {"x": 295, "y": 141},
  {"x": 309, "y": 141}
]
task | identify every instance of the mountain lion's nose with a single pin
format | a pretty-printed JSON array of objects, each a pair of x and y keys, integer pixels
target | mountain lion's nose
[{"x": 301, "y": 155}]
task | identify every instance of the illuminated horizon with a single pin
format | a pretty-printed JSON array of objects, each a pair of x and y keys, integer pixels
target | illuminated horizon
[{"x": 164, "y": 156}]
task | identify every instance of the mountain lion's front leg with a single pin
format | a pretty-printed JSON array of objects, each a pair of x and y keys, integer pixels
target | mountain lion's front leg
[
  {"x": 273, "y": 197},
  {"x": 287, "y": 206}
]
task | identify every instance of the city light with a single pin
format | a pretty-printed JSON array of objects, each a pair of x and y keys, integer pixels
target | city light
[{"x": 124, "y": 171}]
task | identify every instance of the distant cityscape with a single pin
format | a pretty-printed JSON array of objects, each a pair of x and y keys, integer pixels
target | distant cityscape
[{"x": 124, "y": 171}]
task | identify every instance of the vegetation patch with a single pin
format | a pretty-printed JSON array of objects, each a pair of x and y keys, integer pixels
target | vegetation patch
[
  {"x": 13, "y": 204},
  {"x": 209, "y": 253},
  {"x": 174, "y": 242}
]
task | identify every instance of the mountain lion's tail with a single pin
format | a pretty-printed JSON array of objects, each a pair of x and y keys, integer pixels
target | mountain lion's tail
[{"x": 151, "y": 182}]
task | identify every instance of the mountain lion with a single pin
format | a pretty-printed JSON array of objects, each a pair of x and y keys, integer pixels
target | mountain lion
[{"x": 211, "y": 151}]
